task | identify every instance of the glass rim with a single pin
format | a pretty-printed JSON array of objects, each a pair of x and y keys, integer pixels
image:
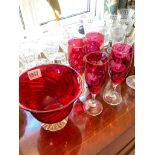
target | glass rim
[
  {"x": 70, "y": 42},
  {"x": 96, "y": 52},
  {"x": 57, "y": 109},
  {"x": 120, "y": 43},
  {"x": 94, "y": 32}
]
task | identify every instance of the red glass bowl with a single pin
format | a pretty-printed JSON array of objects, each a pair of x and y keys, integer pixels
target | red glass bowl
[{"x": 48, "y": 92}]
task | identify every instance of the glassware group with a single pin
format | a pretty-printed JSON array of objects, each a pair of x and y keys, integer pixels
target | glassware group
[{"x": 49, "y": 91}]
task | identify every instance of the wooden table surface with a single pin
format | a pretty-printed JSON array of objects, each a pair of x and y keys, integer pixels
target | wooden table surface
[{"x": 105, "y": 134}]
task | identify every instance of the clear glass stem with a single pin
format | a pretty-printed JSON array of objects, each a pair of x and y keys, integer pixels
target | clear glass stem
[
  {"x": 92, "y": 106},
  {"x": 85, "y": 92},
  {"x": 83, "y": 77},
  {"x": 92, "y": 101},
  {"x": 93, "y": 98},
  {"x": 114, "y": 86}
]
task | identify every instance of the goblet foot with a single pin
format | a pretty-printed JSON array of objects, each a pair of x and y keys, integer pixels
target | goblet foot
[
  {"x": 93, "y": 109},
  {"x": 55, "y": 126},
  {"x": 112, "y": 98},
  {"x": 112, "y": 94},
  {"x": 130, "y": 81}
]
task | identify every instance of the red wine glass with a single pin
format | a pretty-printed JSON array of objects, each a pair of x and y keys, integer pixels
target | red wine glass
[
  {"x": 96, "y": 64},
  {"x": 48, "y": 92},
  {"x": 76, "y": 53},
  {"x": 120, "y": 61},
  {"x": 94, "y": 41}
]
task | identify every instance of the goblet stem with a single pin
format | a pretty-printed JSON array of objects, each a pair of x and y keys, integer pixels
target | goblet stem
[
  {"x": 93, "y": 104},
  {"x": 84, "y": 94},
  {"x": 114, "y": 86}
]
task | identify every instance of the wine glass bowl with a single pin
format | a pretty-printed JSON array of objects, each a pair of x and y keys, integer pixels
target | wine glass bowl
[
  {"x": 95, "y": 73},
  {"x": 117, "y": 33},
  {"x": 48, "y": 92},
  {"x": 120, "y": 62},
  {"x": 94, "y": 41}
]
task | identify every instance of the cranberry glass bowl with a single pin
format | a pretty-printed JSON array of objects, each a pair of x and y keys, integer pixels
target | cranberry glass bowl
[{"x": 48, "y": 92}]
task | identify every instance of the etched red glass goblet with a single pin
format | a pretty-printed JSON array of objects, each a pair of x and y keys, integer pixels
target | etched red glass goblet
[
  {"x": 76, "y": 52},
  {"x": 119, "y": 64},
  {"x": 96, "y": 64},
  {"x": 48, "y": 92}
]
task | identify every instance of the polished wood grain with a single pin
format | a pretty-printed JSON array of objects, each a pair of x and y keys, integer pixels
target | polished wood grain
[{"x": 83, "y": 134}]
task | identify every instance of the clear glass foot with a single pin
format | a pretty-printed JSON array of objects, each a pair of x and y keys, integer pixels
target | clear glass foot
[
  {"x": 55, "y": 126},
  {"x": 93, "y": 109},
  {"x": 112, "y": 94},
  {"x": 130, "y": 81},
  {"x": 112, "y": 98}
]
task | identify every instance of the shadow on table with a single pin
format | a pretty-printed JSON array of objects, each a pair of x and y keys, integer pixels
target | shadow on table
[{"x": 60, "y": 142}]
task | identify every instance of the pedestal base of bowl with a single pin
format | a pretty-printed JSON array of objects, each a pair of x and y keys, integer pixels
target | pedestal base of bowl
[{"x": 55, "y": 126}]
